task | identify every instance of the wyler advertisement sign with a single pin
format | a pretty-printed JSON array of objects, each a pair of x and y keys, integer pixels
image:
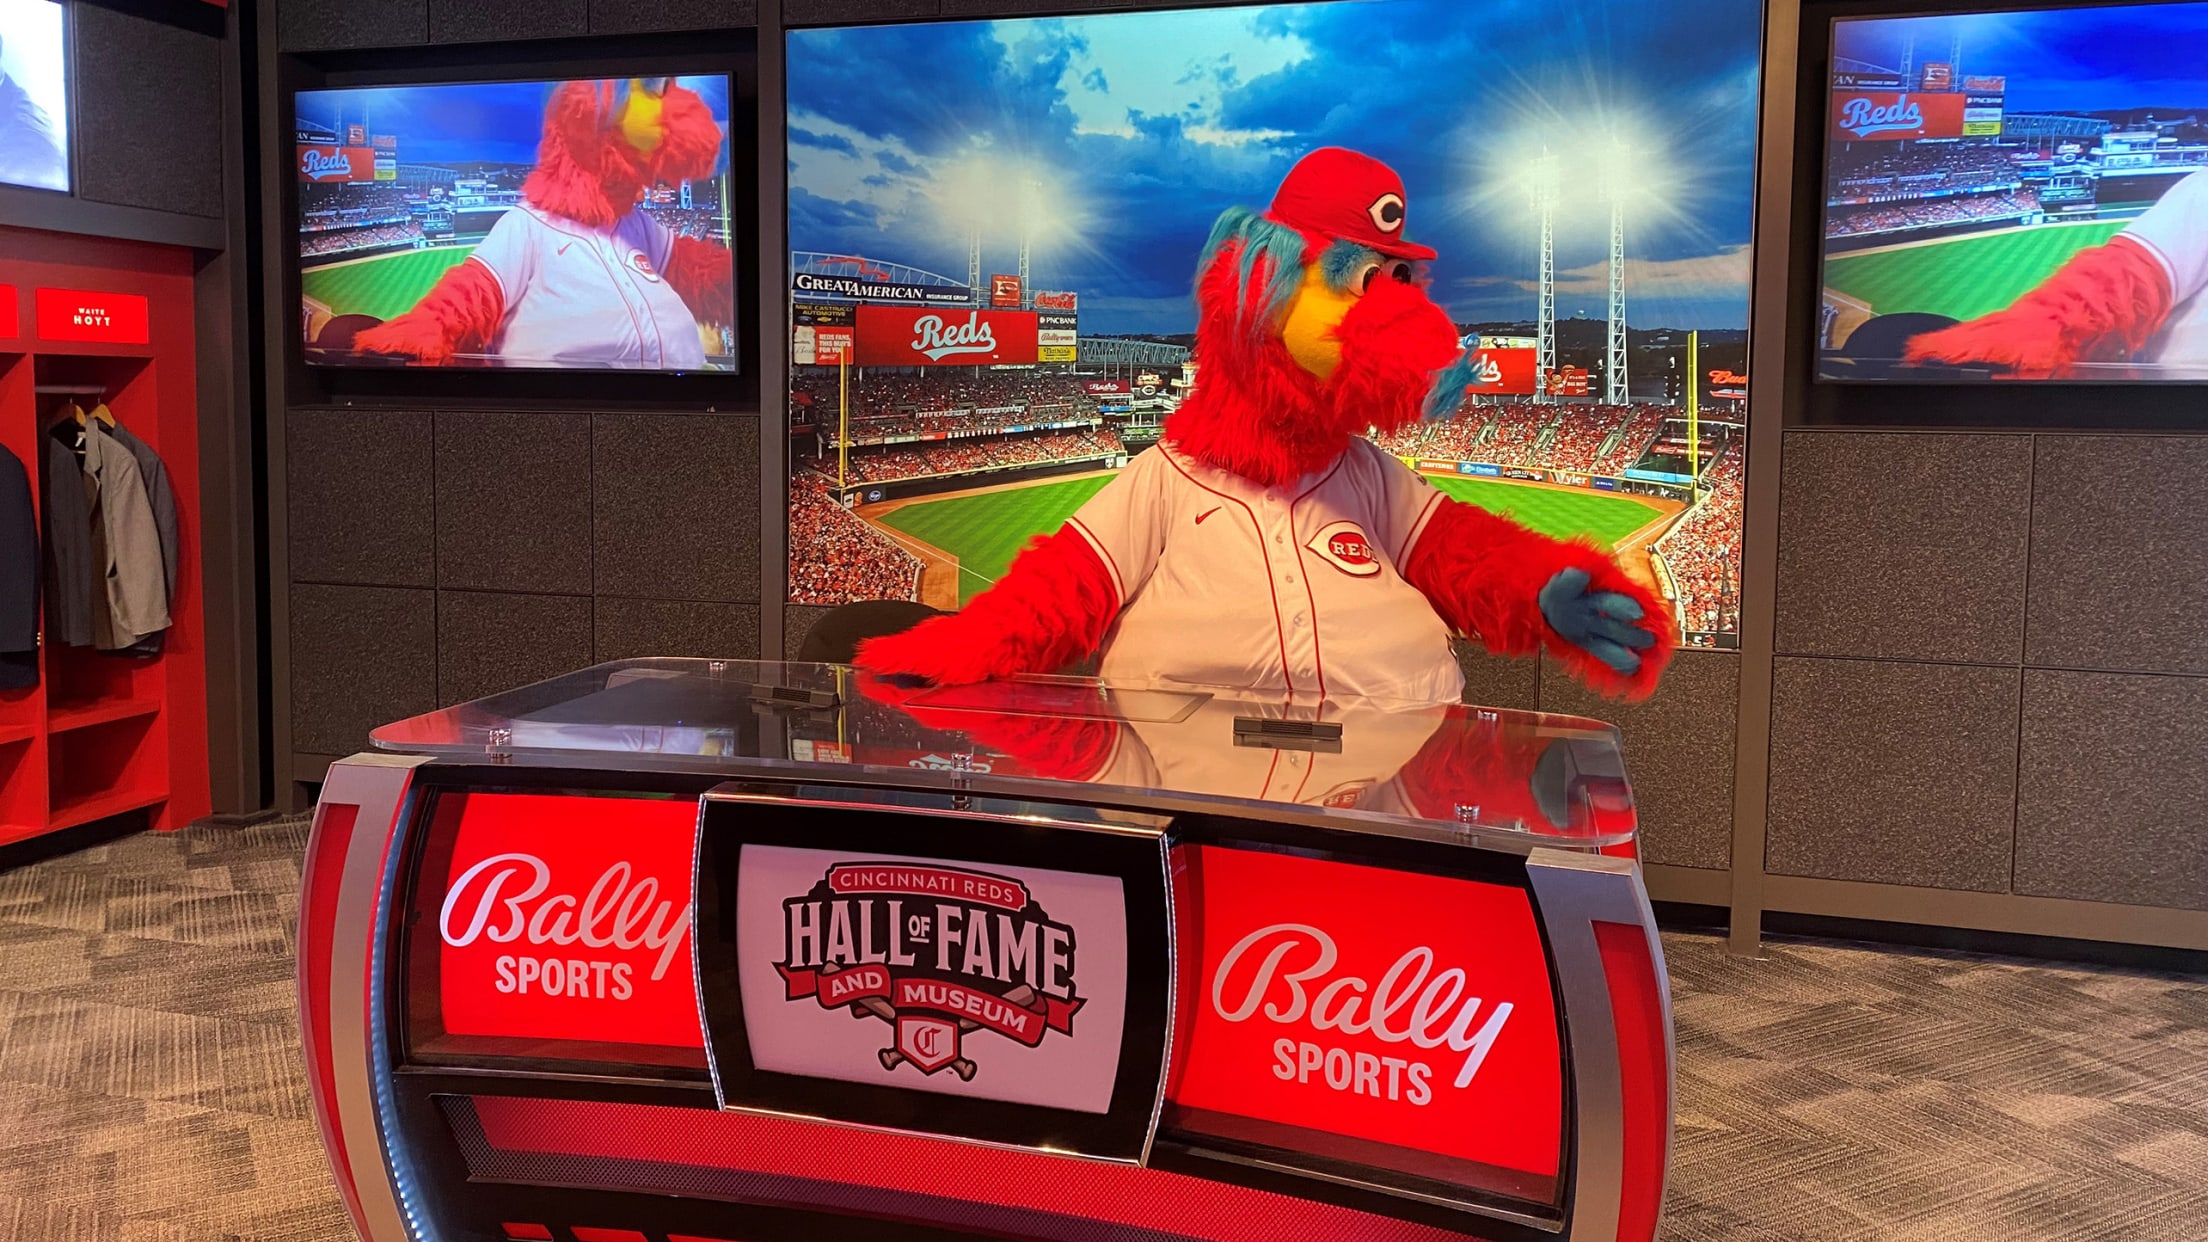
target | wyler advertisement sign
[
  {"x": 1890, "y": 116},
  {"x": 981, "y": 980},
  {"x": 1408, "y": 1011},
  {"x": 897, "y": 336},
  {"x": 567, "y": 917},
  {"x": 858, "y": 289}
]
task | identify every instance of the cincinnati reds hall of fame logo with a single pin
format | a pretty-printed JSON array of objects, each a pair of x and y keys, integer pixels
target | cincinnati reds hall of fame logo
[{"x": 936, "y": 953}]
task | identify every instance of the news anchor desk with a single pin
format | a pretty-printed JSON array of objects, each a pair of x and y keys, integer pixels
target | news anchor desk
[{"x": 677, "y": 950}]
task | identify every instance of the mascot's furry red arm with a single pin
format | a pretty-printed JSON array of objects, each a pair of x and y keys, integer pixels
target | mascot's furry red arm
[
  {"x": 2101, "y": 306},
  {"x": 1311, "y": 330},
  {"x": 605, "y": 144}
]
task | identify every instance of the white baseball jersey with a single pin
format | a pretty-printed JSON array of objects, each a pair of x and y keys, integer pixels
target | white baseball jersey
[
  {"x": 1223, "y": 582},
  {"x": 2175, "y": 231},
  {"x": 582, "y": 296}
]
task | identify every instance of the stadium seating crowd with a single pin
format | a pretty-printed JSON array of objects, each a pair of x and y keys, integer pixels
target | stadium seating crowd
[
  {"x": 1906, "y": 167},
  {"x": 915, "y": 461},
  {"x": 1564, "y": 437},
  {"x": 1702, "y": 551},
  {"x": 888, "y": 395},
  {"x": 334, "y": 241},
  {"x": 1929, "y": 213},
  {"x": 837, "y": 558}
]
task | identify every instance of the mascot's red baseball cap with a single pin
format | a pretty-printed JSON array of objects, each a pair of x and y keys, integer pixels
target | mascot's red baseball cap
[{"x": 1339, "y": 193}]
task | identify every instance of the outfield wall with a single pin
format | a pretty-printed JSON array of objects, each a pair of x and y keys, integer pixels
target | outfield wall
[{"x": 1544, "y": 474}]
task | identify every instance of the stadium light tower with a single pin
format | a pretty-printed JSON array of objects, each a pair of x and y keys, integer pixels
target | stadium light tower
[
  {"x": 973, "y": 264},
  {"x": 1030, "y": 202},
  {"x": 1546, "y": 183},
  {"x": 1616, "y": 185}
]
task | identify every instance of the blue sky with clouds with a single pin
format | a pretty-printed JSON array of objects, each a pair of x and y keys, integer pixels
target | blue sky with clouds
[
  {"x": 1117, "y": 139},
  {"x": 2134, "y": 56},
  {"x": 499, "y": 122}
]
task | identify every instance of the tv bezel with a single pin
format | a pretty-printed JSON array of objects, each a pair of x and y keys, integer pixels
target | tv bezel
[
  {"x": 69, "y": 79},
  {"x": 729, "y": 53},
  {"x": 1945, "y": 402}
]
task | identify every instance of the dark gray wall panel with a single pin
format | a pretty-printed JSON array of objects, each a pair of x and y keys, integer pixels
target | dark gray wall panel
[
  {"x": 149, "y": 114},
  {"x": 631, "y": 628},
  {"x": 2112, "y": 794},
  {"x": 360, "y": 657},
  {"x": 1893, "y": 773},
  {"x": 360, "y": 497},
  {"x": 513, "y": 502},
  {"x": 637, "y": 16},
  {"x": 1498, "y": 681},
  {"x": 1678, "y": 753},
  {"x": 310, "y": 25},
  {"x": 842, "y": 12},
  {"x": 797, "y": 620},
  {"x": 2120, "y": 553},
  {"x": 677, "y": 505},
  {"x": 498, "y": 21},
  {"x": 1911, "y": 546},
  {"x": 488, "y": 642}
]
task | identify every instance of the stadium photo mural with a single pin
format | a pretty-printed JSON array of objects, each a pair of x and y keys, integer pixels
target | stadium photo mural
[
  {"x": 568, "y": 224},
  {"x": 2017, "y": 196},
  {"x": 995, "y": 226}
]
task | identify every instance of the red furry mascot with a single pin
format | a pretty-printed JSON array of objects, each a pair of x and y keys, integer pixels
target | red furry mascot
[
  {"x": 578, "y": 275},
  {"x": 1266, "y": 544},
  {"x": 2131, "y": 300}
]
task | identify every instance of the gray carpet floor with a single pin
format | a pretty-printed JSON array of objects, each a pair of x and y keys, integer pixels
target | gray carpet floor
[{"x": 151, "y": 1088}]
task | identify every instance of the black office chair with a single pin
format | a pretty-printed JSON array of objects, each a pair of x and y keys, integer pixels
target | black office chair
[{"x": 835, "y": 638}]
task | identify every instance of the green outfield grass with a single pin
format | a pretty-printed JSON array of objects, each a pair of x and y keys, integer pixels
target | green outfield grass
[
  {"x": 984, "y": 532},
  {"x": 1962, "y": 277},
  {"x": 1604, "y": 517},
  {"x": 385, "y": 287}
]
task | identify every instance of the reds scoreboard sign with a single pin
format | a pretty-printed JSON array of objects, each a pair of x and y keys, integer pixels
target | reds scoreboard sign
[
  {"x": 902, "y": 336},
  {"x": 1891, "y": 116},
  {"x": 328, "y": 163},
  {"x": 1508, "y": 372}
]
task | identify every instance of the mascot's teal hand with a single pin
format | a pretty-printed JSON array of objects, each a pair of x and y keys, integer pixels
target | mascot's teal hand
[{"x": 1599, "y": 623}]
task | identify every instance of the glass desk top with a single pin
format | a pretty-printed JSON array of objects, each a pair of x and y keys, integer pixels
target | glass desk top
[{"x": 1356, "y": 761}]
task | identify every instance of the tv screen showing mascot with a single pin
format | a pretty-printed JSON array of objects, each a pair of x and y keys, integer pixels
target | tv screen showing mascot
[
  {"x": 995, "y": 227},
  {"x": 2018, "y": 196},
  {"x": 569, "y": 224},
  {"x": 34, "y": 95}
]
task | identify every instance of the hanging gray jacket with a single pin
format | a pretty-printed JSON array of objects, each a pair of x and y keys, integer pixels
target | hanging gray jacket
[{"x": 137, "y": 588}]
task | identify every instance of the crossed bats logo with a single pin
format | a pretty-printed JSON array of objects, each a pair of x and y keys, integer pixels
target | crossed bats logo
[{"x": 937, "y": 953}]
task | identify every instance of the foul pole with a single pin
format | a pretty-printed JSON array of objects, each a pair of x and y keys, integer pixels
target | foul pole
[
  {"x": 1694, "y": 426},
  {"x": 843, "y": 431}
]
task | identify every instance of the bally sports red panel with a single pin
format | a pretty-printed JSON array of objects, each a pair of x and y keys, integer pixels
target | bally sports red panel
[{"x": 607, "y": 958}]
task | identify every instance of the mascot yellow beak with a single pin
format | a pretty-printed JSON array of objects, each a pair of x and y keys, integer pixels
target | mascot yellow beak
[
  {"x": 1308, "y": 327},
  {"x": 639, "y": 122}
]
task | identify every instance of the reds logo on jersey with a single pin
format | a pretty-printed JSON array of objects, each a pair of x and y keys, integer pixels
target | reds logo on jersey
[
  {"x": 642, "y": 265},
  {"x": 1346, "y": 548}
]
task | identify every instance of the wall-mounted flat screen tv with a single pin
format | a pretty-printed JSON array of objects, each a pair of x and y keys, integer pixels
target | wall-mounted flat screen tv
[
  {"x": 34, "y": 95},
  {"x": 994, "y": 227},
  {"x": 563, "y": 224},
  {"x": 2017, "y": 196}
]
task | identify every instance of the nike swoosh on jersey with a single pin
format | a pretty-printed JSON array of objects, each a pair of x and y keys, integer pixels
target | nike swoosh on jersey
[
  {"x": 563, "y": 247},
  {"x": 1207, "y": 513}
]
